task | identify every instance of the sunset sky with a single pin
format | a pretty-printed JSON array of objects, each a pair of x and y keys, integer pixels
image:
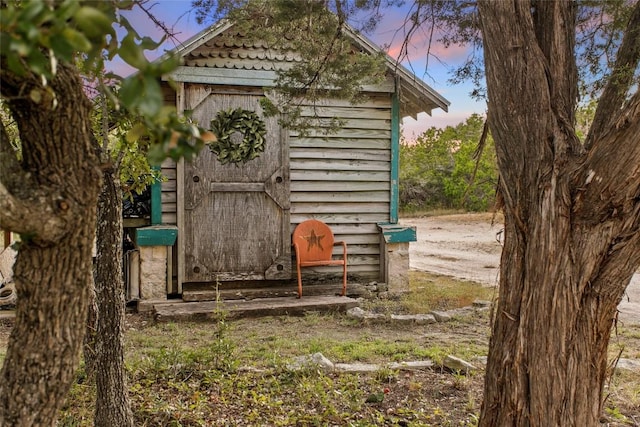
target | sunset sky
[{"x": 177, "y": 14}]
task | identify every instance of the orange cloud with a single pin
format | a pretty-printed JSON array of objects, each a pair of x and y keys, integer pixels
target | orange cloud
[{"x": 422, "y": 44}]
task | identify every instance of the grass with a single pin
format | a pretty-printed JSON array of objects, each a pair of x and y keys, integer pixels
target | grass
[
  {"x": 428, "y": 292},
  {"x": 235, "y": 372}
]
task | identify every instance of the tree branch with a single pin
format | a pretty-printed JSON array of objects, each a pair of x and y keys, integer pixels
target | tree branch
[
  {"x": 608, "y": 179},
  {"x": 620, "y": 81},
  {"x": 519, "y": 114},
  {"x": 555, "y": 24},
  {"x": 27, "y": 211},
  {"x": 33, "y": 218},
  {"x": 25, "y": 208}
]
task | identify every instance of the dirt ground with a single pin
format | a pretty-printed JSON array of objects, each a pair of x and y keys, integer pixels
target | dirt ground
[{"x": 468, "y": 246}]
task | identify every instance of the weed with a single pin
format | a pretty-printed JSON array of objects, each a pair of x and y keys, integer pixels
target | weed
[
  {"x": 385, "y": 375},
  {"x": 188, "y": 374},
  {"x": 615, "y": 414},
  {"x": 432, "y": 292},
  {"x": 460, "y": 381}
]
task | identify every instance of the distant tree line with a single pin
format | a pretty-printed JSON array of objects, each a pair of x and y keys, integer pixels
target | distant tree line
[{"x": 444, "y": 169}]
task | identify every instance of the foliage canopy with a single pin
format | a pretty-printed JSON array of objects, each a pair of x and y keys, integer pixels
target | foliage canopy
[{"x": 441, "y": 169}]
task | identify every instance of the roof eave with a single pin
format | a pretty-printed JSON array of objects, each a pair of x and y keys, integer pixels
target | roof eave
[
  {"x": 198, "y": 40},
  {"x": 415, "y": 95},
  {"x": 426, "y": 98}
]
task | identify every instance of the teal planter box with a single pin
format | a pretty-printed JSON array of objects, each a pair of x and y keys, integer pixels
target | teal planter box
[
  {"x": 156, "y": 235},
  {"x": 395, "y": 233}
]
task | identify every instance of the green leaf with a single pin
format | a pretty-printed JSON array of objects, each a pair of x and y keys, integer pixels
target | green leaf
[
  {"x": 156, "y": 154},
  {"x": 168, "y": 65},
  {"x": 150, "y": 100},
  {"x": 124, "y": 23},
  {"x": 31, "y": 32},
  {"x": 74, "y": 39},
  {"x": 147, "y": 43},
  {"x": 129, "y": 91},
  {"x": 136, "y": 132},
  {"x": 31, "y": 11},
  {"x": 66, "y": 10},
  {"x": 126, "y": 4},
  {"x": 93, "y": 23},
  {"x": 132, "y": 54},
  {"x": 13, "y": 61},
  {"x": 20, "y": 47},
  {"x": 38, "y": 63}
]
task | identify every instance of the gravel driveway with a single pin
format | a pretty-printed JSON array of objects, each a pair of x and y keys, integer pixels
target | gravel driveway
[{"x": 468, "y": 247}]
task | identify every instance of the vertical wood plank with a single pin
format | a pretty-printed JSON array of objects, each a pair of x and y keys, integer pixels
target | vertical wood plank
[
  {"x": 156, "y": 201},
  {"x": 395, "y": 157},
  {"x": 180, "y": 105}
]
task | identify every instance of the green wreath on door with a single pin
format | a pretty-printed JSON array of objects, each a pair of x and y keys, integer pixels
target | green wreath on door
[{"x": 228, "y": 122}]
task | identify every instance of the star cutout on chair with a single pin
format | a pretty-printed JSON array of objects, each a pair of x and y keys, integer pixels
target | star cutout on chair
[{"x": 314, "y": 240}]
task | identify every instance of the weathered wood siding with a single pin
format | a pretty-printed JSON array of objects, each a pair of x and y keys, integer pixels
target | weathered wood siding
[
  {"x": 343, "y": 179},
  {"x": 169, "y": 195}
]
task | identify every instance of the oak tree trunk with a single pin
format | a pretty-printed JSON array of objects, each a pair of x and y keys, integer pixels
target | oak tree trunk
[
  {"x": 113, "y": 407},
  {"x": 572, "y": 221},
  {"x": 49, "y": 198}
]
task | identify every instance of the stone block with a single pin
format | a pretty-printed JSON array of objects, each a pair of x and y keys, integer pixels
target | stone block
[
  {"x": 418, "y": 365},
  {"x": 457, "y": 364},
  {"x": 316, "y": 360},
  {"x": 441, "y": 316},
  {"x": 396, "y": 259},
  {"x": 419, "y": 319},
  {"x": 357, "y": 367},
  {"x": 153, "y": 272},
  {"x": 358, "y": 313},
  {"x": 479, "y": 303}
]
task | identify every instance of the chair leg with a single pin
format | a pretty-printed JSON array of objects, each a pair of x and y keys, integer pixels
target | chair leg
[
  {"x": 299, "y": 282},
  {"x": 344, "y": 279}
]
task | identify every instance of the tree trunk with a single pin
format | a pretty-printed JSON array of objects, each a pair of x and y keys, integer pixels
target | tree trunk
[
  {"x": 572, "y": 223},
  {"x": 91, "y": 334},
  {"x": 112, "y": 399},
  {"x": 50, "y": 198}
]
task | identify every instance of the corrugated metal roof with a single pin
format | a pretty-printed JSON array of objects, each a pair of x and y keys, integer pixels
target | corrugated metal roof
[{"x": 237, "y": 52}]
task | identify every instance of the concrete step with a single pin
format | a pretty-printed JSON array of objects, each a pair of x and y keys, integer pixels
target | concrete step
[
  {"x": 191, "y": 295},
  {"x": 166, "y": 311}
]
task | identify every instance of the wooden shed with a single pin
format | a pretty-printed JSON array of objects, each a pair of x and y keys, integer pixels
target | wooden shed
[{"x": 232, "y": 224}]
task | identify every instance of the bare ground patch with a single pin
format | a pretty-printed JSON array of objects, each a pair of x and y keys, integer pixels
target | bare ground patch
[{"x": 468, "y": 247}]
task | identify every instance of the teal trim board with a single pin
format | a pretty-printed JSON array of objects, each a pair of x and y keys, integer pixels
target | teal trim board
[
  {"x": 156, "y": 235},
  {"x": 156, "y": 201},
  {"x": 395, "y": 157},
  {"x": 394, "y": 233}
]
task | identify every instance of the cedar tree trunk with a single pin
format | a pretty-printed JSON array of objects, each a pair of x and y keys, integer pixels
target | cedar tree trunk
[
  {"x": 49, "y": 198},
  {"x": 572, "y": 216},
  {"x": 112, "y": 399}
]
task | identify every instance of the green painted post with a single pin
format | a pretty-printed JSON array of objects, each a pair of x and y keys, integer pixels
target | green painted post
[
  {"x": 395, "y": 158},
  {"x": 156, "y": 201}
]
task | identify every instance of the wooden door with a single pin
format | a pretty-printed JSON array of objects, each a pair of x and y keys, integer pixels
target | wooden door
[{"x": 236, "y": 217}]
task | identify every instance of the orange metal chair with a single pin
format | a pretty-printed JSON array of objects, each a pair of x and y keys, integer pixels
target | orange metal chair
[{"x": 313, "y": 242}]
